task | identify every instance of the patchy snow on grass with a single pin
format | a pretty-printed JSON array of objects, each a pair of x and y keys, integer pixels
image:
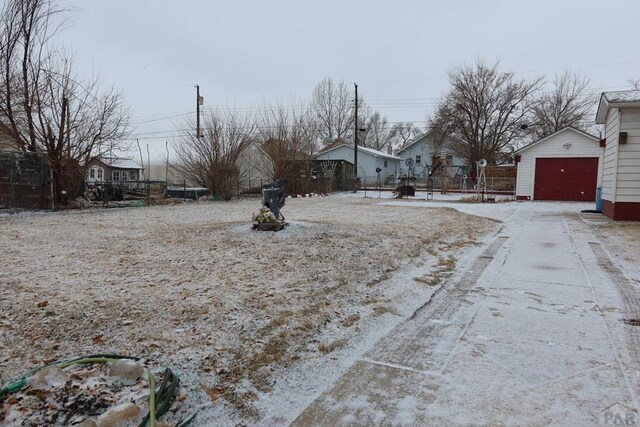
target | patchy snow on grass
[
  {"x": 621, "y": 238},
  {"x": 244, "y": 317}
]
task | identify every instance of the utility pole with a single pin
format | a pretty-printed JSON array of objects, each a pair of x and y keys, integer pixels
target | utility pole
[
  {"x": 63, "y": 120},
  {"x": 68, "y": 131},
  {"x": 355, "y": 139},
  {"x": 166, "y": 170},
  {"x": 199, "y": 102}
]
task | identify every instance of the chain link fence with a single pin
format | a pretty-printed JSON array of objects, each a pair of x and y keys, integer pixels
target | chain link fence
[
  {"x": 116, "y": 191},
  {"x": 25, "y": 181}
]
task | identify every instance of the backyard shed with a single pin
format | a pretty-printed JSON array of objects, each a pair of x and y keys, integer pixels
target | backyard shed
[
  {"x": 566, "y": 165},
  {"x": 620, "y": 113}
]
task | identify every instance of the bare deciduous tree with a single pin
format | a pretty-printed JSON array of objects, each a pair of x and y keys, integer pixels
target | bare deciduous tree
[
  {"x": 44, "y": 105},
  {"x": 635, "y": 83},
  {"x": 485, "y": 110},
  {"x": 379, "y": 134},
  {"x": 288, "y": 139},
  {"x": 405, "y": 132},
  {"x": 568, "y": 103},
  {"x": 332, "y": 105},
  {"x": 211, "y": 160}
]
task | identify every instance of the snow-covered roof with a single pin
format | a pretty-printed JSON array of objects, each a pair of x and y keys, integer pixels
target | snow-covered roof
[
  {"x": 448, "y": 140},
  {"x": 413, "y": 142},
  {"x": 623, "y": 96},
  {"x": 546, "y": 138},
  {"x": 117, "y": 163},
  {"x": 123, "y": 164},
  {"x": 617, "y": 99},
  {"x": 377, "y": 153},
  {"x": 362, "y": 149}
]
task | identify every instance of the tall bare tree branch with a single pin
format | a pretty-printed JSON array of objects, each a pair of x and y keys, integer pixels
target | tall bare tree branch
[
  {"x": 288, "y": 139},
  {"x": 45, "y": 106},
  {"x": 568, "y": 103},
  {"x": 484, "y": 110},
  {"x": 211, "y": 160}
]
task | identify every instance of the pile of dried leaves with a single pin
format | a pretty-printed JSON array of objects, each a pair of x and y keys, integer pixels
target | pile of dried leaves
[{"x": 86, "y": 395}]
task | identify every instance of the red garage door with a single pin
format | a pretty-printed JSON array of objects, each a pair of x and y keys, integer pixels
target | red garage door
[{"x": 566, "y": 178}]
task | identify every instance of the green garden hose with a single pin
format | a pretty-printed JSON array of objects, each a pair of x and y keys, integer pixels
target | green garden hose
[
  {"x": 152, "y": 399},
  {"x": 21, "y": 382},
  {"x": 159, "y": 401}
]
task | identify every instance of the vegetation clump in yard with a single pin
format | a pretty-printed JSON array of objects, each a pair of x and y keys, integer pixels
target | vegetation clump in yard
[{"x": 265, "y": 220}]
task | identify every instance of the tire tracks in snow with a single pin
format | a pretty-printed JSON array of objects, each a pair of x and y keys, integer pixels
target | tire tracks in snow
[
  {"x": 425, "y": 348},
  {"x": 425, "y": 341},
  {"x": 629, "y": 295}
]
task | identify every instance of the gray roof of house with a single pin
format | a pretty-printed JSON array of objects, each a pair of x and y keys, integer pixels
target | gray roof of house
[
  {"x": 623, "y": 96},
  {"x": 125, "y": 164},
  {"x": 368, "y": 150},
  {"x": 617, "y": 99},
  {"x": 119, "y": 163}
]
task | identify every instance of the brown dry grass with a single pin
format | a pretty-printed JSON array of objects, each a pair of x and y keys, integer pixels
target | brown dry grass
[
  {"x": 622, "y": 238},
  {"x": 191, "y": 286}
]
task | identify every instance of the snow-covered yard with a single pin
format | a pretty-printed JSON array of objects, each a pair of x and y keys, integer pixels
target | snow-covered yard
[
  {"x": 192, "y": 287},
  {"x": 622, "y": 238}
]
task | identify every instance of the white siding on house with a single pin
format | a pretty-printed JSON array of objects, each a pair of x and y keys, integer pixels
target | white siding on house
[
  {"x": 367, "y": 163},
  {"x": 610, "y": 167},
  {"x": 628, "y": 165},
  {"x": 256, "y": 168},
  {"x": 554, "y": 146},
  {"x": 425, "y": 148}
]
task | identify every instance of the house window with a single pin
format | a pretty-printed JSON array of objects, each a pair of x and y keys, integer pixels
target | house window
[
  {"x": 449, "y": 159},
  {"x": 133, "y": 175},
  {"x": 125, "y": 176},
  {"x": 115, "y": 175},
  {"x": 385, "y": 163},
  {"x": 418, "y": 160},
  {"x": 100, "y": 170},
  {"x": 92, "y": 173}
]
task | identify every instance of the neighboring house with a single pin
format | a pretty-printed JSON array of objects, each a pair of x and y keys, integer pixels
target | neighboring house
[
  {"x": 425, "y": 153},
  {"x": 620, "y": 113},
  {"x": 255, "y": 166},
  {"x": 566, "y": 165},
  {"x": 7, "y": 139},
  {"x": 368, "y": 161},
  {"x": 120, "y": 171}
]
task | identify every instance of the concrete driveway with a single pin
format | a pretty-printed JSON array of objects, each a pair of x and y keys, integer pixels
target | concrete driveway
[{"x": 540, "y": 328}]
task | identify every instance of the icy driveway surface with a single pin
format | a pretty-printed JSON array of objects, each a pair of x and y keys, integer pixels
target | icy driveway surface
[{"x": 530, "y": 333}]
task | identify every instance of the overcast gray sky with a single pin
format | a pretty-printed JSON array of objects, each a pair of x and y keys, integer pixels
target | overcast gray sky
[{"x": 243, "y": 53}]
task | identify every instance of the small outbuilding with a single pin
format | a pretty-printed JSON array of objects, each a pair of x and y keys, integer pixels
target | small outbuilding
[
  {"x": 620, "y": 113},
  {"x": 566, "y": 165}
]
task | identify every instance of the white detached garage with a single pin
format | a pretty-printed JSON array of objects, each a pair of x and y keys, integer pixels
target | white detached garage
[{"x": 566, "y": 165}]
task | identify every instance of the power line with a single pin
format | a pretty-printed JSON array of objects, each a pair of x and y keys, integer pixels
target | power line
[
  {"x": 373, "y": 102},
  {"x": 376, "y": 103},
  {"x": 163, "y": 118}
]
